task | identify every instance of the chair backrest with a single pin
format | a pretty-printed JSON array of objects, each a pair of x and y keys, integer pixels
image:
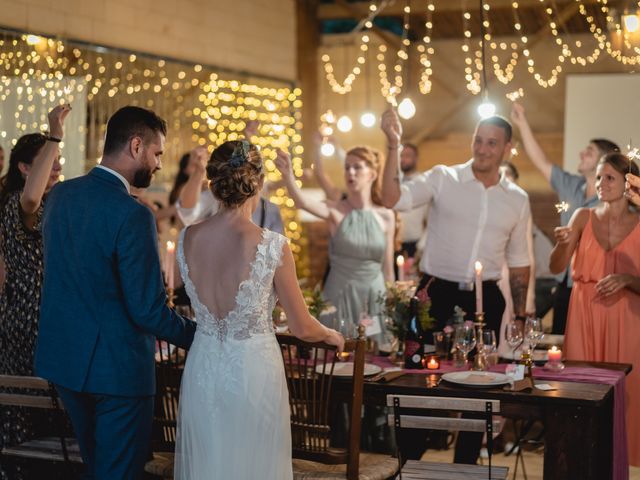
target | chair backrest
[
  {"x": 35, "y": 392},
  {"x": 406, "y": 414},
  {"x": 31, "y": 392},
  {"x": 170, "y": 361},
  {"x": 309, "y": 369}
]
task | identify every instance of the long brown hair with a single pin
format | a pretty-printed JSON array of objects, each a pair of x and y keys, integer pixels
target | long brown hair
[
  {"x": 25, "y": 150},
  {"x": 374, "y": 159},
  {"x": 620, "y": 163}
]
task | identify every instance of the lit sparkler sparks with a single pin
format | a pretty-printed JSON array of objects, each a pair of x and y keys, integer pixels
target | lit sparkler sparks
[{"x": 562, "y": 207}]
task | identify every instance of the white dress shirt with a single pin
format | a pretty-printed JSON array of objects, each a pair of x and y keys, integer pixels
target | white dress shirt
[{"x": 468, "y": 222}]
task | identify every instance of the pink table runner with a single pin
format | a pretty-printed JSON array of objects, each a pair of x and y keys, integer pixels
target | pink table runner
[{"x": 569, "y": 374}]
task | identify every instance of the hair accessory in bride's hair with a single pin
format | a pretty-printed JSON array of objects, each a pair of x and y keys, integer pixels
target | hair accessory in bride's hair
[{"x": 240, "y": 154}]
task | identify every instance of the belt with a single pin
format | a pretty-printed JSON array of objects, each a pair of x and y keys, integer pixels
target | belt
[{"x": 463, "y": 286}]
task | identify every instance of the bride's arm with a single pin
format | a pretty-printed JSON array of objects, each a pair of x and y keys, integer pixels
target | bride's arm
[{"x": 301, "y": 323}]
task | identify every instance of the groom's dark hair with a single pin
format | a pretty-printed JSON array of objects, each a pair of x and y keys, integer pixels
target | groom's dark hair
[{"x": 129, "y": 122}]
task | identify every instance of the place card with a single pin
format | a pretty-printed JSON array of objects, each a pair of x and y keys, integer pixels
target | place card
[
  {"x": 373, "y": 326},
  {"x": 545, "y": 387},
  {"x": 515, "y": 372}
]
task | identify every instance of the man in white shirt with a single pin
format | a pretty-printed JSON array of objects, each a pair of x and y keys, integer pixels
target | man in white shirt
[{"x": 475, "y": 214}]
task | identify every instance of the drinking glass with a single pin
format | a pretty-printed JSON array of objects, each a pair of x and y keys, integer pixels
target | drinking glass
[
  {"x": 533, "y": 332},
  {"x": 465, "y": 339},
  {"x": 342, "y": 326},
  {"x": 489, "y": 341},
  {"x": 514, "y": 338}
]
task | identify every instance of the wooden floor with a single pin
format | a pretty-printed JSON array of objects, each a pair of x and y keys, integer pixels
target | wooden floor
[{"x": 532, "y": 461}]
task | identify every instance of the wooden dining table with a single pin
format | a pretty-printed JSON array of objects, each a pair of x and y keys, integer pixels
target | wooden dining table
[{"x": 577, "y": 417}]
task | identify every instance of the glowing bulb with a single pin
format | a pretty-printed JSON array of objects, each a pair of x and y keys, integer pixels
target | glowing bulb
[
  {"x": 33, "y": 39},
  {"x": 368, "y": 119},
  {"x": 330, "y": 117},
  {"x": 406, "y": 108},
  {"x": 344, "y": 124},
  {"x": 327, "y": 149},
  {"x": 486, "y": 109},
  {"x": 326, "y": 130},
  {"x": 631, "y": 23}
]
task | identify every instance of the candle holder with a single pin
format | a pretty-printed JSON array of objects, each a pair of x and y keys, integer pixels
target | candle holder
[
  {"x": 554, "y": 366},
  {"x": 431, "y": 362},
  {"x": 480, "y": 360},
  {"x": 171, "y": 296}
]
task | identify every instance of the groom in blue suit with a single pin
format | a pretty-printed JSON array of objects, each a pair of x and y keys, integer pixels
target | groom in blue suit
[{"x": 103, "y": 299}]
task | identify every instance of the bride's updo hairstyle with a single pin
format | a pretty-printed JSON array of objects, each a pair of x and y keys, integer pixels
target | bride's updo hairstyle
[{"x": 236, "y": 172}]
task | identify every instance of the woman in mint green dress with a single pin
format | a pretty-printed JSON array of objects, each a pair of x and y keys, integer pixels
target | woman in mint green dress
[{"x": 362, "y": 238}]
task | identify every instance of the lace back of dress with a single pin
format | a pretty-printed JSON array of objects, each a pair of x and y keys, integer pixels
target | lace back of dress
[{"x": 255, "y": 299}]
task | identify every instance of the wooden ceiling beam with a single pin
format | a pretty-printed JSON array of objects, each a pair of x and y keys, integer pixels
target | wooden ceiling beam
[{"x": 337, "y": 10}]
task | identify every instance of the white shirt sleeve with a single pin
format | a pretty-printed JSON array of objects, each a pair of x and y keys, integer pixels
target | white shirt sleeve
[
  {"x": 517, "y": 254},
  {"x": 419, "y": 190},
  {"x": 207, "y": 206}
]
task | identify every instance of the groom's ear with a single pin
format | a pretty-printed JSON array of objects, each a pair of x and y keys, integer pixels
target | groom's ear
[{"x": 135, "y": 147}]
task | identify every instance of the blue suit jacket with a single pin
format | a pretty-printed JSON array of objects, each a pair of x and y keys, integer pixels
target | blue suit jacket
[{"x": 103, "y": 299}]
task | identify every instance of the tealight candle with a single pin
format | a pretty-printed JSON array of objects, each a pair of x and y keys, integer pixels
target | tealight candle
[
  {"x": 432, "y": 363},
  {"x": 554, "y": 355}
]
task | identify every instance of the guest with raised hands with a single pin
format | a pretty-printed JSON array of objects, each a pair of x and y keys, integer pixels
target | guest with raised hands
[
  {"x": 604, "y": 309},
  {"x": 34, "y": 168},
  {"x": 362, "y": 236}
]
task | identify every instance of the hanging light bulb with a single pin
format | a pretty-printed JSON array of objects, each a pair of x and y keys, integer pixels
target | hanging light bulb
[
  {"x": 406, "y": 108},
  {"x": 486, "y": 109},
  {"x": 328, "y": 117},
  {"x": 631, "y": 23},
  {"x": 327, "y": 149},
  {"x": 368, "y": 119},
  {"x": 344, "y": 124}
]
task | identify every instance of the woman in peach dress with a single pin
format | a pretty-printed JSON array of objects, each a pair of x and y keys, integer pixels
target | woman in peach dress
[{"x": 604, "y": 312}]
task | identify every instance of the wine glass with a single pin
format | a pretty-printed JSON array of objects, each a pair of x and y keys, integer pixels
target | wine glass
[
  {"x": 465, "y": 339},
  {"x": 342, "y": 326},
  {"x": 533, "y": 332},
  {"x": 514, "y": 338},
  {"x": 489, "y": 341}
]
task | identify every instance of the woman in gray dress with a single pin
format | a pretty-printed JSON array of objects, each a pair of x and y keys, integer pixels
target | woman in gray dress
[{"x": 362, "y": 237}]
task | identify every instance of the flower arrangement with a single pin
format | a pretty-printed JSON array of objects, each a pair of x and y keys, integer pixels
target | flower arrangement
[
  {"x": 315, "y": 303},
  {"x": 396, "y": 305}
]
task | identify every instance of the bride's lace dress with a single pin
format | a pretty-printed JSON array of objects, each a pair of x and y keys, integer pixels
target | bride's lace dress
[{"x": 234, "y": 410}]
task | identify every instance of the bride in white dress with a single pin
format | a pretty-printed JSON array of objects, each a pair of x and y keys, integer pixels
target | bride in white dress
[{"x": 234, "y": 411}]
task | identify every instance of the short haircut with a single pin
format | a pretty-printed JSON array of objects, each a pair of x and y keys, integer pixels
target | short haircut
[
  {"x": 411, "y": 146},
  {"x": 512, "y": 167},
  {"x": 605, "y": 146},
  {"x": 500, "y": 122},
  {"x": 129, "y": 122}
]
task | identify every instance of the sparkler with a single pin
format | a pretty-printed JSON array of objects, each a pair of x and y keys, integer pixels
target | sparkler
[{"x": 562, "y": 207}]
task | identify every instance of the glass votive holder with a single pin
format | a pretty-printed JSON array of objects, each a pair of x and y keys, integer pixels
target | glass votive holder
[
  {"x": 554, "y": 359},
  {"x": 431, "y": 362}
]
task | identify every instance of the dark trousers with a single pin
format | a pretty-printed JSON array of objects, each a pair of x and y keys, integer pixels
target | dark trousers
[
  {"x": 561, "y": 307},
  {"x": 114, "y": 433},
  {"x": 445, "y": 296},
  {"x": 545, "y": 295}
]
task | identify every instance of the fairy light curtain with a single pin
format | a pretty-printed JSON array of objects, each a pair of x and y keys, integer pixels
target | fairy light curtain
[{"x": 202, "y": 105}]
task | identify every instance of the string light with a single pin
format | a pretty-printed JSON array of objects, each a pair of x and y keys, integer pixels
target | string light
[
  {"x": 389, "y": 91},
  {"x": 425, "y": 51}
]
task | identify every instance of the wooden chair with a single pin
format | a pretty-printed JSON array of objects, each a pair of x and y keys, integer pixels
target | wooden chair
[
  {"x": 170, "y": 362},
  {"x": 37, "y": 393},
  {"x": 309, "y": 370},
  {"x": 406, "y": 409}
]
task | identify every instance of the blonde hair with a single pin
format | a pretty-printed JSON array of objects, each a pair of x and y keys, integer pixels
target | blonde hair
[{"x": 375, "y": 160}]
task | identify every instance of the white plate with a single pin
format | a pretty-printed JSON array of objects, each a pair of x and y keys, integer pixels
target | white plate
[
  {"x": 476, "y": 379},
  {"x": 345, "y": 369}
]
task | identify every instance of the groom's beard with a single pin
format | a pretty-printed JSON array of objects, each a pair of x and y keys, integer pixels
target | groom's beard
[{"x": 142, "y": 178}]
